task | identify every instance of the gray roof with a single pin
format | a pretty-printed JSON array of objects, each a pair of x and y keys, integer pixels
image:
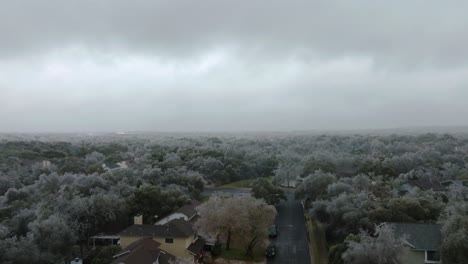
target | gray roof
[
  {"x": 425, "y": 185},
  {"x": 172, "y": 229},
  {"x": 189, "y": 209},
  {"x": 419, "y": 236},
  {"x": 111, "y": 165},
  {"x": 456, "y": 182}
]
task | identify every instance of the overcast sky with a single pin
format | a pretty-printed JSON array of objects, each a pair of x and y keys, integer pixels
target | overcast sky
[{"x": 135, "y": 65}]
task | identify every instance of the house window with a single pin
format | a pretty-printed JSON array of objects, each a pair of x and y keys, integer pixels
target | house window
[
  {"x": 169, "y": 240},
  {"x": 432, "y": 256}
]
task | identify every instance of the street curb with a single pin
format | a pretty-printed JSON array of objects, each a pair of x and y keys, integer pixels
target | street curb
[{"x": 311, "y": 253}]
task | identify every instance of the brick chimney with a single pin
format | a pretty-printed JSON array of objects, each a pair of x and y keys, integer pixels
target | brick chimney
[{"x": 138, "y": 220}]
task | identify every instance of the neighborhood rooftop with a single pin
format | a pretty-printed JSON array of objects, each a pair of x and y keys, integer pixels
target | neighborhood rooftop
[
  {"x": 196, "y": 246},
  {"x": 189, "y": 209},
  {"x": 419, "y": 236},
  {"x": 426, "y": 185},
  {"x": 143, "y": 251},
  {"x": 174, "y": 228}
]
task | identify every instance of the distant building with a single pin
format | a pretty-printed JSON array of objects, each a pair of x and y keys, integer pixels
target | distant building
[
  {"x": 448, "y": 183},
  {"x": 115, "y": 166},
  {"x": 421, "y": 184},
  {"x": 46, "y": 164}
]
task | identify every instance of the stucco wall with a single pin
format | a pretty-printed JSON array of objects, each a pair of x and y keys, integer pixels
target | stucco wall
[
  {"x": 127, "y": 240},
  {"x": 178, "y": 248},
  {"x": 412, "y": 257}
]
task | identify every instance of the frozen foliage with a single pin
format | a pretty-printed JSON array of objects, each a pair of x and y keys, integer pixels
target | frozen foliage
[
  {"x": 245, "y": 219},
  {"x": 455, "y": 234},
  {"x": 54, "y": 186},
  {"x": 381, "y": 247}
]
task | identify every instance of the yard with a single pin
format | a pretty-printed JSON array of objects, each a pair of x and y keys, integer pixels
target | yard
[
  {"x": 317, "y": 241},
  {"x": 239, "y": 254}
]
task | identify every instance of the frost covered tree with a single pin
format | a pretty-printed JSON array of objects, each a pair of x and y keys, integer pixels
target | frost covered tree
[
  {"x": 346, "y": 213},
  {"x": 220, "y": 218},
  {"x": 381, "y": 247},
  {"x": 455, "y": 234},
  {"x": 93, "y": 162},
  {"x": 256, "y": 219},
  {"x": 337, "y": 188},
  {"x": 245, "y": 218},
  {"x": 54, "y": 237},
  {"x": 20, "y": 250},
  {"x": 315, "y": 185},
  {"x": 289, "y": 167},
  {"x": 264, "y": 189}
]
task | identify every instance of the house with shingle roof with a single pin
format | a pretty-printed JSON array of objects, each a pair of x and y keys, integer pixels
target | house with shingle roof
[
  {"x": 176, "y": 237},
  {"x": 420, "y": 184},
  {"x": 463, "y": 183},
  {"x": 143, "y": 251},
  {"x": 109, "y": 166},
  {"x": 422, "y": 242}
]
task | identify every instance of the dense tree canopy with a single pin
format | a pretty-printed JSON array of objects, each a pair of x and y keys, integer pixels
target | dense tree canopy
[
  {"x": 245, "y": 218},
  {"x": 55, "y": 189},
  {"x": 382, "y": 247},
  {"x": 263, "y": 189}
]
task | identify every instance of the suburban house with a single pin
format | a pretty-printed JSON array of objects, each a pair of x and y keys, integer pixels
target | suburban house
[
  {"x": 186, "y": 212},
  {"x": 176, "y": 237},
  {"x": 422, "y": 242},
  {"x": 143, "y": 251},
  {"x": 115, "y": 166},
  {"x": 448, "y": 183},
  {"x": 420, "y": 184},
  {"x": 46, "y": 164}
]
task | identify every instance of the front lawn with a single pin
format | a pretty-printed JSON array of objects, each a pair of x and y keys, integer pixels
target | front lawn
[
  {"x": 317, "y": 241},
  {"x": 239, "y": 254}
]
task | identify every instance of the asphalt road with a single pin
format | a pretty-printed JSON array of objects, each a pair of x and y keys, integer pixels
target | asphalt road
[{"x": 291, "y": 242}]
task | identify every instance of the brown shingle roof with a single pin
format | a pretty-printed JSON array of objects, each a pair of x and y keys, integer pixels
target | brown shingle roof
[
  {"x": 143, "y": 251},
  {"x": 174, "y": 228},
  {"x": 146, "y": 242},
  {"x": 197, "y": 246}
]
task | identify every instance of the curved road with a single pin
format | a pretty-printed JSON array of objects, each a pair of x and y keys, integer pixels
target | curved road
[{"x": 292, "y": 245}]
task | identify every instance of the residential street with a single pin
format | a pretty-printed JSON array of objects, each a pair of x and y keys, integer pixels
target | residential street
[{"x": 292, "y": 246}]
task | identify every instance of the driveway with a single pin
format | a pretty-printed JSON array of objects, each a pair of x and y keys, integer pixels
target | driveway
[{"x": 291, "y": 243}]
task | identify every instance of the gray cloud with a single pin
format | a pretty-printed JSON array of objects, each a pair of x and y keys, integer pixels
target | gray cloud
[
  {"x": 231, "y": 65},
  {"x": 428, "y": 32}
]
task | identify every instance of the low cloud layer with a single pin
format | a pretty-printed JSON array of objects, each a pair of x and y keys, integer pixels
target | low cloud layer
[{"x": 231, "y": 66}]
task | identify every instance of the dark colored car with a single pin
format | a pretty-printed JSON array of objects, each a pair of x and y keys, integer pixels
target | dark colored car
[
  {"x": 272, "y": 232},
  {"x": 270, "y": 251}
]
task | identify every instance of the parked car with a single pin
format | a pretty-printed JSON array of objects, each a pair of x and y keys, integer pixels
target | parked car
[
  {"x": 272, "y": 232},
  {"x": 270, "y": 251}
]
